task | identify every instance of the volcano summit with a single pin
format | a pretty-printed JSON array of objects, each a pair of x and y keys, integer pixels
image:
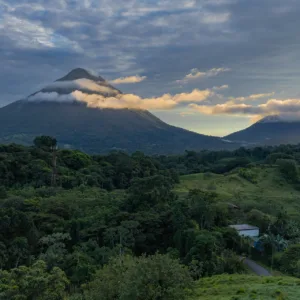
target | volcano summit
[{"x": 65, "y": 109}]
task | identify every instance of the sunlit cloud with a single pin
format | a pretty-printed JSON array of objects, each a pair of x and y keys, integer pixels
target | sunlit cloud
[
  {"x": 186, "y": 113},
  {"x": 129, "y": 79},
  {"x": 121, "y": 101},
  {"x": 228, "y": 108},
  {"x": 222, "y": 87},
  {"x": 252, "y": 97},
  {"x": 285, "y": 108},
  {"x": 196, "y": 74}
]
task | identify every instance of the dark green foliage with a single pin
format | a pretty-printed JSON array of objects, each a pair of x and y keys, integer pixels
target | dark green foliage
[
  {"x": 289, "y": 260},
  {"x": 74, "y": 160},
  {"x": 248, "y": 174},
  {"x": 21, "y": 166},
  {"x": 202, "y": 207},
  {"x": 288, "y": 168},
  {"x": 148, "y": 278},
  {"x": 45, "y": 142},
  {"x": 33, "y": 282},
  {"x": 108, "y": 216},
  {"x": 273, "y": 157},
  {"x": 3, "y": 193},
  {"x": 259, "y": 219},
  {"x": 221, "y": 162},
  {"x": 148, "y": 192}
]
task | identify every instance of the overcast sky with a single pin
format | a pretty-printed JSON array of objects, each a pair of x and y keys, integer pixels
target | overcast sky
[{"x": 241, "y": 56}]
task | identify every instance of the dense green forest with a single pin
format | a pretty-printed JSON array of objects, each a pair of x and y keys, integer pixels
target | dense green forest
[{"x": 119, "y": 226}]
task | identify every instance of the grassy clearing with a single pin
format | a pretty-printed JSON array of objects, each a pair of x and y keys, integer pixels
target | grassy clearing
[
  {"x": 270, "y": 192},
  {"x": 240, "y": 287}
]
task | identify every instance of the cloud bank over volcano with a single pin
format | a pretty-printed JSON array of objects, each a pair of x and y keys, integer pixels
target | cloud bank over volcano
[
  {"x": 82, "y": 86},
  {"x": 121, "y": 101}
]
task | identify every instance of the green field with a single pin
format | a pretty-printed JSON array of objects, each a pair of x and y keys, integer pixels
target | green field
[
  {"x": 240, "y": 287},
  {"x": 269, "y": 192}
]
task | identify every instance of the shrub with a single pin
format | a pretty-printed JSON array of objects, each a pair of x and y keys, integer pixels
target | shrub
[
  {"x": 147, "y": 278},
  {"x": 288, "y": 168},
  {"x": 248, "y": 174},
  {"x": 289, "y": 261}
]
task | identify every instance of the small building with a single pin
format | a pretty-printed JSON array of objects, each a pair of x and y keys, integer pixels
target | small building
[{"x": 246, "y": 230}]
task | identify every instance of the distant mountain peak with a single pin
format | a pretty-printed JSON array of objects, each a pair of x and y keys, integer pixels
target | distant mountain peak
[
  {"x": 271, "y": 130},
  {"x": 78, "y": 79},
  {"x": 280, "y": 119},
  {"x": 271, "y": 119},
  {"x": 80, "y": 73}
]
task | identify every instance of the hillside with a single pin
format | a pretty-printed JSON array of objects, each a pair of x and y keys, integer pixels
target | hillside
[
  {"x": 271, "y": 130},
  {"x": 98, "y": 131},
  {"x": 54, "y": 111},
  {"x": 242, "y": 287},
  {"x": 269, "y": 191}
]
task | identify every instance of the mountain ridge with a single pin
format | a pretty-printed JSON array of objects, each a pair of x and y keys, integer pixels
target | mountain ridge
[
  {"x": 271, "y": 130},
  {"x": 95, "y": 130},
  {"x": 55, "y": 110}
]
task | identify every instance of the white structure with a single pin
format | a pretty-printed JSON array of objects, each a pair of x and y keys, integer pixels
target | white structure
[{"x": 246, "y": 230}]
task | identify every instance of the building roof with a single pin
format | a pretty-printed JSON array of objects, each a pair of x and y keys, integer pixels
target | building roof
[{"x": 241, "y": 227}]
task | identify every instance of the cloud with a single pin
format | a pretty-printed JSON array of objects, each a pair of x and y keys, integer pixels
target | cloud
[
  {"x": 120, "y": 101},
  {"x": 196, "y": 74},
  {"x": 189, "y": 4},
  {"x": 195, "y": 96},
  {"x": 216, "y": 18},
  {"x": 258, "y": 96},
  {"x": 252, "y": 97},
  {"x": 51, "y": 97},
  {"x": 227, "y": 108},
  {"x": 284, "y": 107},
  {"x": 186, "y": 113},
  {"x": 222, "y": 87},
  {"x": 129, "y": 79},
  {"x": 276, "y": 106},
  {"x": 32, "y": 35},
  {"x": 38, "y": 39},
  {"x": 83, "y": 84}
]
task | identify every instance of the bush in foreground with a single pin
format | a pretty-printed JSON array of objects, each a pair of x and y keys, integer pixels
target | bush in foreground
[{"x": 144, "y": 278}]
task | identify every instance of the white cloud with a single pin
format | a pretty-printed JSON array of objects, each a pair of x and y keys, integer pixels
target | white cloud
[
  {"x": 189, "y": 4},
  {"x": 252, "y": 97},
  {"x": 166, "y": 101},
  {"x": 258, "y": 96},
  {"x": 196, "y": 74},
  {"x": 222, "y": 87},
  {"x": 129, "y": 79},
  {"x": 226, "y": 108},
  {"x": 51, "y": 97},
  {"x": 285, "y": 108},
  {"x": 32, "y": 35},
  {"x": 195, "y": 96},
  {"x": 82, "y": 84},
  {"x": 214, "y": 18}
]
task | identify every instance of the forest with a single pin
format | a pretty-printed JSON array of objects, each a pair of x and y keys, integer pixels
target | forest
[{"x": 83, "y": 227}]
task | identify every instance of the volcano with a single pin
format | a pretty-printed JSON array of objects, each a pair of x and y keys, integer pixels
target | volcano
[
  {"x": 271, "y": 130},
  {"x": 54, "y": 111}
]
